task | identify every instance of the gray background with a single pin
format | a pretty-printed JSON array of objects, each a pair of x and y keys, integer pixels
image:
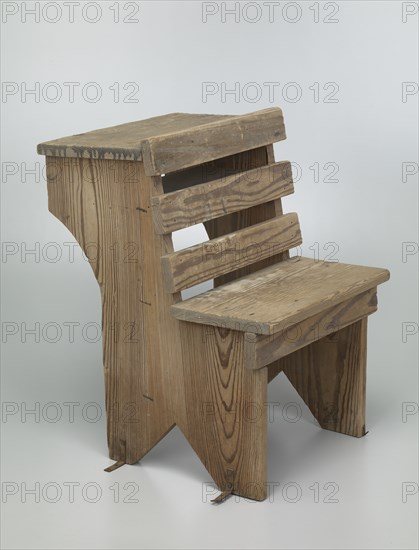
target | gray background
[{"x": 328, "y": 490}]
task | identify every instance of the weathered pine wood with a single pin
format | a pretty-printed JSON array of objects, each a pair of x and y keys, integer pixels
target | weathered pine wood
[
  {"x": 273, "y": 370},
  {"x": 84, "y": 194},
  {"x": 287, "y": 292},
  {"x": 193, "y": 146},
  {"x": 204, "y": 261},
  {"x": 106, "y": 206},
  {"x": 125, "y": 141},
  {"x": 206, "y": 201},
  {"x": 261, "y": 350},
  {"x": 256, "y": 214},
  {"x": 204, "y": 364},
  {"x": 330, "y": 376},
  {"x": 226, "y": 409},
  {"x": 216, "y": 169}
]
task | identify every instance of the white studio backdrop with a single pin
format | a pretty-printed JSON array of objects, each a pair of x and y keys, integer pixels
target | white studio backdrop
[{"x": 346, "y": 77}]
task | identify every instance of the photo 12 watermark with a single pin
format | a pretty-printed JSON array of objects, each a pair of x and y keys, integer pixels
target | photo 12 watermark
[
  {"x": 51, "y": 412},
  {"x": 409, "y": 409},
  {"x": 408, "y": 11},
  {"x": 409, "y": 250},
  {"x": 70, "y": 92},
  {"x": 270, "y": 12},
  {"x": 409, "y": 489},
  {"x": 75, "y": 412},
  {"x": 409, "y": 329},
  {"x": 270, "y": 92},
  {"x": 70, "y": 332},
  {"x": 409, "y": 169},
  {"x": 71, "y": 492},
  {"x": 71, "y": 12},
  {"x": 252, "y": 412},
  {"x": 409, "y": 91},
  {"x": 290, "y": 492},
  {"x": 68, "y": 252}
]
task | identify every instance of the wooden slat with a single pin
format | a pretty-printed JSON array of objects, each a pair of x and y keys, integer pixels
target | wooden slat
[
  {"x": 171, "y": 152},
  {"x": 199, "y": 203},
  {"x": 204, "y": 261},
  {"x": 216, "y": 169},
  {"x": 260, "y": 350},
  {"x": 289, "y": 292},
  {"x": 256, "y": 214}
]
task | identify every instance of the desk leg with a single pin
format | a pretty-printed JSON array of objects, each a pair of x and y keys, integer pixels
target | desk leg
[
  {"x": 330, "y": 376},
  {"x": 226, "y": 409}
]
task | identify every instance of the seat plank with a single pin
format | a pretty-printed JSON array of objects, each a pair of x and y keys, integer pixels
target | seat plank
[
  {"x": 287, "y": 292},
  {"x": 262, "y": 350},
  {"x": 210, "y": 259},
  {"x": 206, "y": 201}
]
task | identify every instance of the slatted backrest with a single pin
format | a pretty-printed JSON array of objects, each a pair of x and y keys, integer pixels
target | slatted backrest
[
  {"x": 197, "y": 201},
  {"x": 208, "y": 141},
  {"x": 206, "y": 201}
]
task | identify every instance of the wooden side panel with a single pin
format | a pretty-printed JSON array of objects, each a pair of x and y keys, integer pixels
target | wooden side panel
[
  {"x": 201, "y": 262},
  {"x": 107, "y": 207},
  {"x": 171, "y": 152},
  {"x": 330, "y": 376},
  {"x": 226, "y": 409},
  {"x": 206, "y": 201}
]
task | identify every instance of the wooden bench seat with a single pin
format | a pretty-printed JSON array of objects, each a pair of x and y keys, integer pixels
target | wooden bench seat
[{"x": 280, "y": 295}]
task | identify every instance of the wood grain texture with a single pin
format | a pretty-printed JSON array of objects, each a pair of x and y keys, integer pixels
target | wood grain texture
[
  {"x": 222, "y": 168},
  {"x": 145, "y": 383},
  {"x": 250, "y": 216},
  {"x": 106, "y": 206},
  {"x": 216, "y": 169},
  {"x": 287, "y": 292},
  {"x": 226, "y": 409},
  {"x": 330, "y": 376},
  {"x": 204, "y": 261},
  {"x": 125, "y": 141},
  {"x": 261, "y": 350},
  {"x": 206, "y": 201},
  {"x": 181, "y": 149},
  {"x": 168, "y": 362},
  {"x": 273, "y": 370},
  {"x": 150, "y": 385}
]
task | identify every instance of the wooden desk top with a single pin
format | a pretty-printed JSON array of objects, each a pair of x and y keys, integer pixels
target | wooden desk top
[
  {"x": 123, "y": 142},
  {"x": 174, "y": 141}
]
